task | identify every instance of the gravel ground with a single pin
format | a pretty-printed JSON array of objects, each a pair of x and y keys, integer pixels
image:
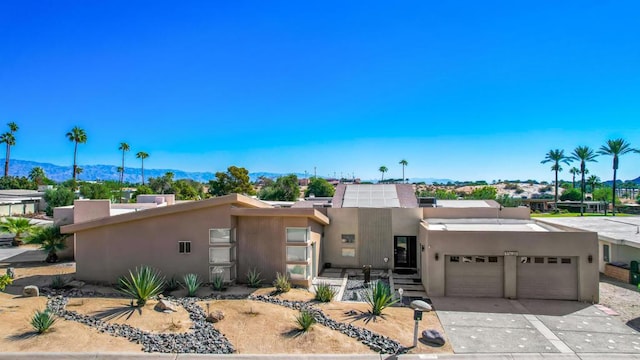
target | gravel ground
[
  {"x": 356, "y": 289},
  {"x": 623, "y": 298}
]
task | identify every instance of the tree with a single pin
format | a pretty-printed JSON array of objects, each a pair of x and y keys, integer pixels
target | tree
[
  {"x": 37, "y": 175},
  {"x": 95, "y": 191},
  {"x": 142, "y": 155},
  {"x": 9, "y": 139},
  {"x": 142, "y": 190},
  {"x": 574, "y": 171},
  {"x": 615, "y": 148},
  {"x": 18, "y": 227},
  {"x": 187, "y": 189},
  {"x": 506, "y": 201},
  {"x": 483, "y": 193},
  {"x": 50, "y": 240},
  {"x": 234, "y": 181},
  {"x": 319, "y": 187},
  {"x": 285, "y": 188},
  {"x": 583, "y": 154},
  {"x": 59, "y": 197},
  {"x": 556, "y": 157},
  {"x": 593, "y": 181},
  {"x": 404, "y": 163},
  {"x": 14, "y": 182},
  {"x": 162, "y": 184},
  {"x": 124, "y": 147},
  {"x": 571, "y": 195},
  {"x": 383, "y": 169},
  {"x": 79, "y": 171},
  {"x": 77, "y": 136}
]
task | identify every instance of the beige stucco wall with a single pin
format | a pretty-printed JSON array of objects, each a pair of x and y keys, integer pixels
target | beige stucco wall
[
  {"x": 107, "y": 252},
  {"x": 85, "y": 210},
  {"x": 343, "y": 221},
  {"x": 64, "y": 216},
  {"x": 623, "y": 253},
  {"x": 495, "y": 243}
]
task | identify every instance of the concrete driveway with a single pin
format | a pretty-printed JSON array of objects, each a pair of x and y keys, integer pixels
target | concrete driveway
[
  {"x": 532, "y": 326},
  {"x": 21, "y": 254}
]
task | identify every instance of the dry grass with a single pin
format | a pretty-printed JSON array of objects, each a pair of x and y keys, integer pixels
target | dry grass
[
  {"x": 254, "y": 327},
  {"x": 396, "y": 323},
  {"x": 295, "y": 294}
]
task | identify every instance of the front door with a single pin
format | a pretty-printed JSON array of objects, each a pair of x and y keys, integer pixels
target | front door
[{"x": 404, "y": 251}]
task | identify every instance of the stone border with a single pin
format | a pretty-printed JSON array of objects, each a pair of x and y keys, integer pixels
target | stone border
[{"x": 374, "y": 341}]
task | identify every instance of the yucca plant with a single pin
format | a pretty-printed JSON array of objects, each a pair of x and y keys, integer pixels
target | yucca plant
[
  {"x": 42, "y": 320},
  {"x": 305, "y": 320},
  {"x": 379, "y": 297},
  {"x": 142, "y": 285},
  {"x": 325, "y": 292},
  {"x": 218, "y": 282},
  {"x": 58, "y": 282},
  {"x": 4, "y": 281},
  {"x": 253, "y": 278},
  {"x": 192, "y": 283},
  {"x": 171, "y": 285},
  {"x": 282, "y": 283}
]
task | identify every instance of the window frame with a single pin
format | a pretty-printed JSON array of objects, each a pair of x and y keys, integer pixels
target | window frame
[{"x": 184, "y": 247}]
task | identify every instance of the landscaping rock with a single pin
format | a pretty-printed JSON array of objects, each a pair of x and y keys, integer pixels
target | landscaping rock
[
  {"x": 165, "y": 305},
  {"x": 75, "y": 284},
  {"x": 215, "y": 316},
  {"x": 432, "y": 337},
  {"x": 11, "y": 272},
  {"x": 422, "y": 305},
  {"x": 30, "y": 291}
]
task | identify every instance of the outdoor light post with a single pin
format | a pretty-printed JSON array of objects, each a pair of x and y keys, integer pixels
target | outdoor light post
[
  {"x": 418, "y": 307},
  {"x": 400, "y": 292}
]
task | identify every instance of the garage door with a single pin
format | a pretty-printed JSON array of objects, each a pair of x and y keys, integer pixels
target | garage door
[
  {"x": 477, "y": 276},
  {"x": 547, "y": 278}
]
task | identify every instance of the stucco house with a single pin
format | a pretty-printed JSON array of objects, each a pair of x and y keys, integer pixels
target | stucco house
[{"x": 455, "y": 248}]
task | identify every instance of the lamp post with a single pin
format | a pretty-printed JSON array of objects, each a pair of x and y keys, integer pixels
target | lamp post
[
  {"x": 400, "y": 292},
  {"x": 418, "y": 307}
]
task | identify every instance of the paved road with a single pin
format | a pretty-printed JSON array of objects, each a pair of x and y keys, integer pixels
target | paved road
[
  {"x": 533, "y": 326},
  {"x": 9, "y": 252}
]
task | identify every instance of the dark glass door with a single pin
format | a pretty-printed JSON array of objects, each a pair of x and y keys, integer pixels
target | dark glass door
[{"x": 404, "y": 251}]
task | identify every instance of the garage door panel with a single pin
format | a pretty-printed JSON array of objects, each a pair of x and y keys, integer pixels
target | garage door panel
[
  {"x": 547, "y": 278},
  {"x": 474, "y": 276}
]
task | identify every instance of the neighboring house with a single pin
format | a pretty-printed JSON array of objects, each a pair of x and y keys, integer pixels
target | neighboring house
[
  {"x": 21, "y": 202},
  {"x": 618, "y": 240},
  {"x": 458, "y": 248}
]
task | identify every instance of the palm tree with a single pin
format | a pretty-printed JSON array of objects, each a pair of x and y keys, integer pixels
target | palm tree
[
  {"x": 37, "y": 175},
  {"x": 615, "y": 148},
  {"x": 124, "y": 147},
  {"x": 583, "y": 154},
  {"x": 79, "y": 171},
  {"x": 556, "y": 156},
  {"x": 18, "y": 227},
  {"x": 10, "y": 140},
  {"x": 50, "y": 240},
  {"x": 574, "y": 171},
  {"x": 383, "y": 169},
  {"x": 142, "y": 155},
  {"x": 78, "y": 136},
  {"x": 404, "y": 163},
  {"x": 593, "y": 181}
]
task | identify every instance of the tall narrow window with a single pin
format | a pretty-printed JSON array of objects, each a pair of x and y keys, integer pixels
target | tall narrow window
[
  {"x": 605, "y": 253},
  {"x": 184, "y": 247}
]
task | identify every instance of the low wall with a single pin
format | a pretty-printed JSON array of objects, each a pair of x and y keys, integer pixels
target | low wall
[{"x": 617, "y": 273}]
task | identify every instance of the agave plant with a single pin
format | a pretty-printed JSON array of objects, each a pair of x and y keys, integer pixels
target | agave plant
[
  {"x": 142, "y": 285},
  {"x": 253, "y": 278},
  {"x": 379, "y": 297},
  {"x": 305, "y": 320},
  {"x": 171, "y": 285},
  {"x": 42, "y": 320},
  {"x": 218, "y": 282},
  {"x": 325, "y": 292},
  {"x": 192, "y": 283},
  {"x": 282, "y": 283}
]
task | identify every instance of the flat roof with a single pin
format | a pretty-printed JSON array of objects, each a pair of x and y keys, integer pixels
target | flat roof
[
  {"x": 485, "y": 225},
  {"x": 623, "y": 230},
  {"x": 464, "y": 204}
]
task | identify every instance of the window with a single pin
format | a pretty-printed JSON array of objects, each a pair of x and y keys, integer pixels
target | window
[
  {"x": 297, "y": 272},
  {"x": 467, "y": 259},
  {"x": 348, "y": 252},
  {"x": 297, "y": 253},
  {"x": 297, "y": 234},
  {"x": 525, "y": 260},
  {"x": 552, "y": 260},
  {"x": 227, "y": 272},
  {"x": 348, "y": 238},
  {"x": 220, "y": 236},
  {"x": 538, "y": 260},
  {"x": 480, "y": 259},
  {"x": 184, "y": 247},
  {"x": 493, "y": 259},
  {"x": 605, "y": 253},
  {"x": 222, "y": 255},
  {"x": 454, "y": 259},
  {"x": 566, "y": 260}
]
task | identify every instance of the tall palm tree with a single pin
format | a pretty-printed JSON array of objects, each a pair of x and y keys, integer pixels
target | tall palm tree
[
  {"x": 583, "y": 154},
  {"x": 615, "y": 148},
  {"x": 79, "y": 171},
  {"x": 574, "y": 171},
  {"x": 10, "y": 140},
  {"x": 142, "y": 155},
  {"x": 593, "y": 181},
  {"x": 37, "y": 175},
  {"x": 556, "y": 156},
  {"x": 78, "y": 136},
  {"x": 383, "y": 169},
  {"x": 124, "y": 147},
  {"x": 404, "y": 163}
]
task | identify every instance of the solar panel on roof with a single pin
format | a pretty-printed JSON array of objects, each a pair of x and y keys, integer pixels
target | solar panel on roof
[{"x": 370, "y": 196}]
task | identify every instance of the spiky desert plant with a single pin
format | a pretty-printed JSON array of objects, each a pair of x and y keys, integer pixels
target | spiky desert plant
[
  {"x": 58, "y": 282},
  {"x": 325, "y": 292},
  {"x": 218, "y": 282},
  {"x": 42, "y": 320},
  {"x": 142, "y": 285},
  {"x": 19, "y": 227},
  {"x": 192, "y": 283},
  {"x": 4, "y": 281},
  {"x": 305, "y": 320},
  {"x": 50, "y": 240},
  {"x": 172, "y": 284},
  {"x": 282, "y": 283},
  {"x": 379, "y": 297},
  {"x": 253, "y": 278}
]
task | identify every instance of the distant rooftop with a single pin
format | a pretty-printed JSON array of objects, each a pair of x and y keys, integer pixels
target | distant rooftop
[
  {"x": 466, "y": 203},
  {"x": 620, "y": 230},
  {"x": 485, "y": 225}
]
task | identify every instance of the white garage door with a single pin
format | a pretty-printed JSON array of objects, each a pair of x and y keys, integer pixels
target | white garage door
[
  {"x": 547, "y": 278},
  {"x": 477, "y": 276}
]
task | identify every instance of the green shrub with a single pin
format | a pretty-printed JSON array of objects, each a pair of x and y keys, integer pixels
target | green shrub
[
  {"x": 305, "y": 320},
  {"x": 172, "y": 284},
  {"x": 58, "y": 282},
  {"x": 379, "y": 297},
  {"x": 282, "y": 283},
  {"x": 42, "y": 321},
  {"x": 325, "y": 292},
  {"x": 4, "y": 281},
  {"x": 253, "y": 278},
  {"x": 218, "y": 282},
  {"x": 192, "y": 283},
  {"x": 142, "y": 285}
]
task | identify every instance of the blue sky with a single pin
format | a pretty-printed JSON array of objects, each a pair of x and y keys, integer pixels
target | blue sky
[{"x": 461, "y": 89}]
